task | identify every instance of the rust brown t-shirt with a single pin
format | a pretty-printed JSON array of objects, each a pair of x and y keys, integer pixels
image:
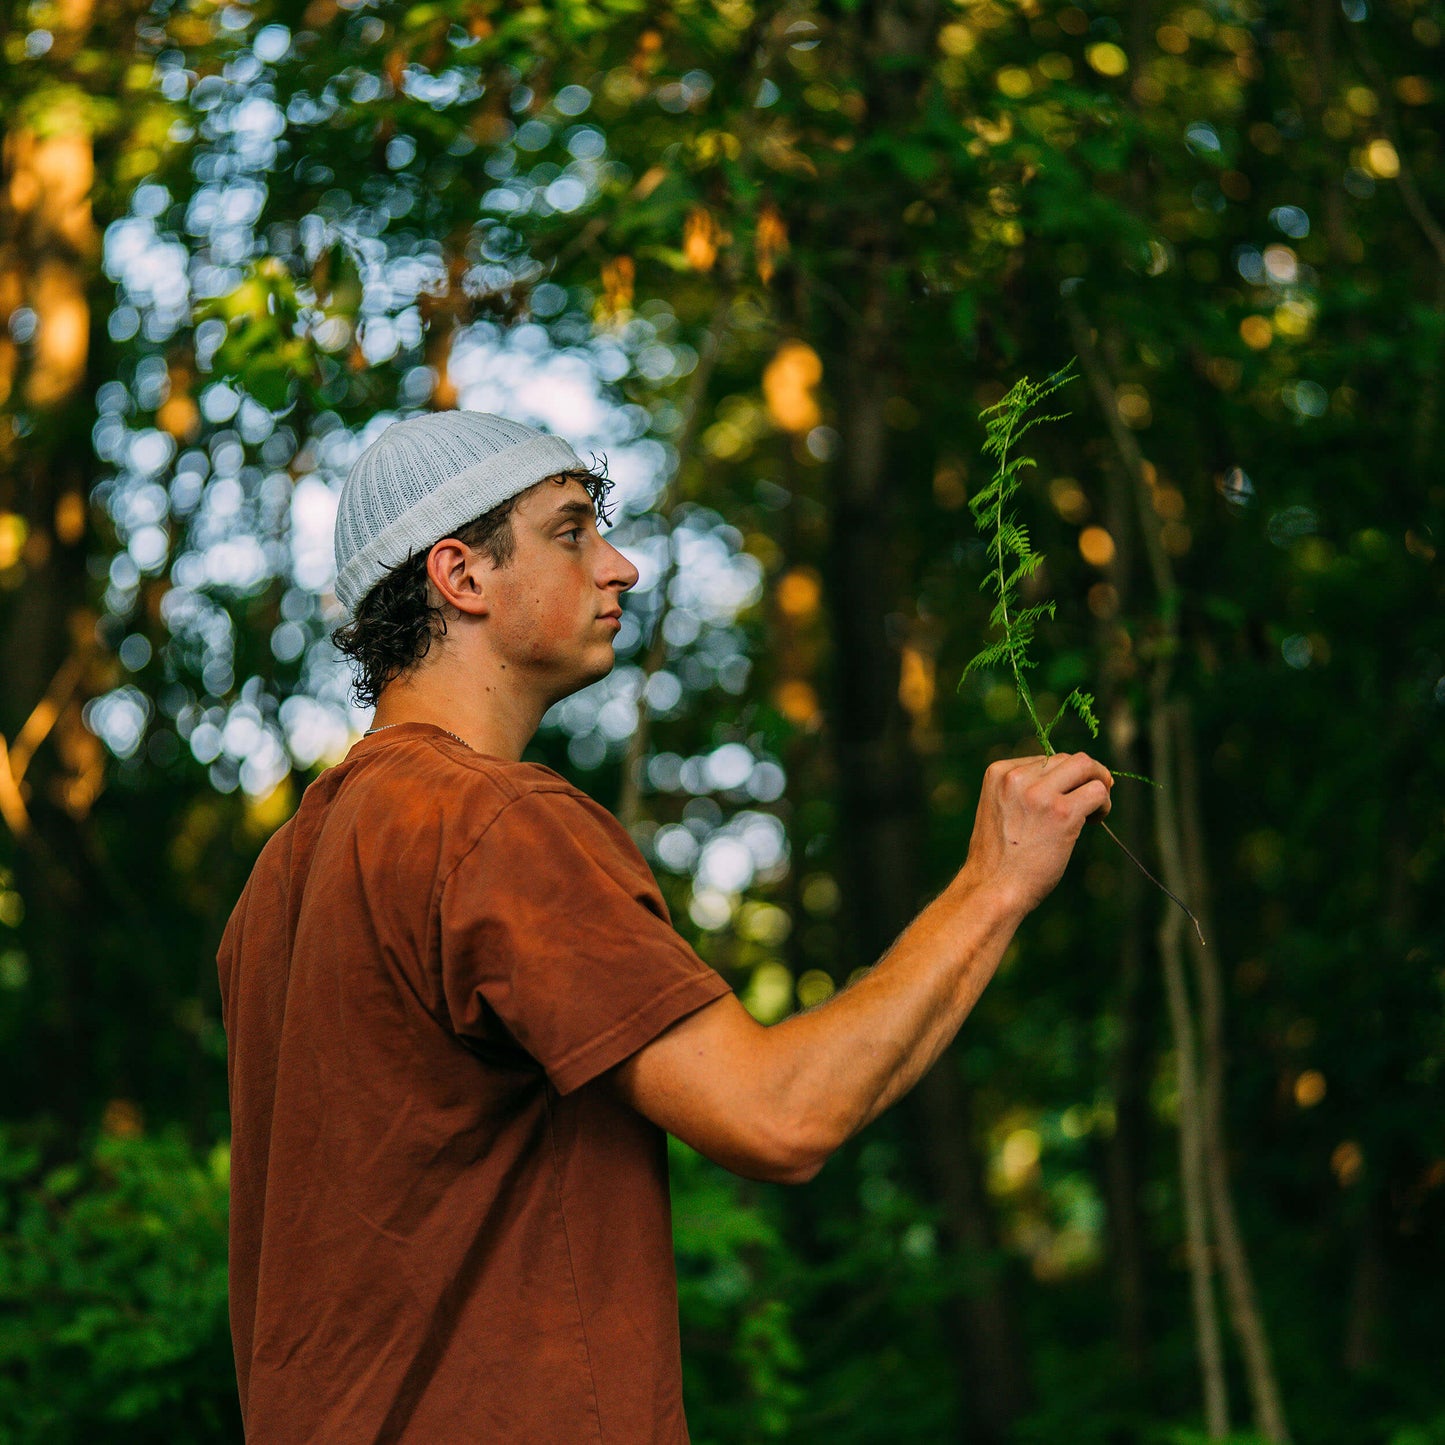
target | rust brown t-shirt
[{"x": 444, "y": 1226}]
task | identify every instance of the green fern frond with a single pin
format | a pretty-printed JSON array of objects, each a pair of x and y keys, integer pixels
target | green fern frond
[
  {"x": 995, "y": 652},
  {"x": 1083, "y": 704},
  {"x": 1005, "y": 423},
  {"x": 1029, "y": 615},
  {"x": 1011, "y": 548}
]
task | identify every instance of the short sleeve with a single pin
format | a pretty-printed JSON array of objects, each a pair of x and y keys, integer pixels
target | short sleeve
[{"x": 553, "y": 922}]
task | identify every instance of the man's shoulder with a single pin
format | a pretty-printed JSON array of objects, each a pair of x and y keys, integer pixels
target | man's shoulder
[
  {"x": 533, "y": 806},
  {"x": 513, "y": 779},
  {"x": 504, "y": 782},
  {"x": 416, "y": 766},
  {"x": 487, "y": 795}
]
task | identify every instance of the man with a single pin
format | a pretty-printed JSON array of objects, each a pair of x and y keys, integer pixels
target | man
[{"x": 459, "y": 1021}]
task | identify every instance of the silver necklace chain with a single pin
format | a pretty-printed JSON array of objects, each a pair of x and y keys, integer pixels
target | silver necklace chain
[{"x": 447, "y": 731}]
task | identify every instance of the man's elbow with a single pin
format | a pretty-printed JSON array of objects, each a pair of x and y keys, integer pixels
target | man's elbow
[
  {"x": 767, "y": 1154},
  {"x": 801, "y": 1140},
  {"x": 795, "y": 1159},
  {"x": 802, "y": 1172},
  {"x": 773, "y": 1170}
]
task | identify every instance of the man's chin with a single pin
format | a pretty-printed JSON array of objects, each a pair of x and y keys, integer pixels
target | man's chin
[{"x": 595, "y": 672}]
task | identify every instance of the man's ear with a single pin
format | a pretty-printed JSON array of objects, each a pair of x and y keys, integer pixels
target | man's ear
[{"x": 460, "y": 574}]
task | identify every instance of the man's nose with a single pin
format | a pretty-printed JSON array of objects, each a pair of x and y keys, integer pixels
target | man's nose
[{"x": 622, "y": 568}]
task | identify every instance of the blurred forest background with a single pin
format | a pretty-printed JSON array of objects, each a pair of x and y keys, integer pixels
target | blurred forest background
[{"x": 772, "y": 260}]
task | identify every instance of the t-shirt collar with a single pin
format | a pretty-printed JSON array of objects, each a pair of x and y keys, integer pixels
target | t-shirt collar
[{"x": 397, "y": 732}]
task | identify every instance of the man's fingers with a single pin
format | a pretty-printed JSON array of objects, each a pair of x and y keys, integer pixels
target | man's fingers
[{"x": 1073, "y": 770}]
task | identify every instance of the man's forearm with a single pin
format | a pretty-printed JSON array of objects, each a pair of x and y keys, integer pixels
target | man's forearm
[{"x": 841, "y": 1064}]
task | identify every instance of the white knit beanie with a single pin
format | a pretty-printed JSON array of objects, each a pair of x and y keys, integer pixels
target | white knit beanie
[{"x": 425, "y": 476}]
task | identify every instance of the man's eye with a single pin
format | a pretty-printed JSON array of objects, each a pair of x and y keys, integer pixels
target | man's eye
[{"x": 571, "y": 532}]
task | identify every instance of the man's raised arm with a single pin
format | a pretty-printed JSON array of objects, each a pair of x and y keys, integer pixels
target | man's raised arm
[{"x": 774, "y": 1103}]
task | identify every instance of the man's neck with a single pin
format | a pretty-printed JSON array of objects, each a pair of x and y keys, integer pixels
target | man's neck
[{"x": 489, "y": 721}]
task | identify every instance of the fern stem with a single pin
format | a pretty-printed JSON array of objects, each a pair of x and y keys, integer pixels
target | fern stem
[
  {"x": 1156, "y": 882},
  {"x": 1019, "y": 682}
]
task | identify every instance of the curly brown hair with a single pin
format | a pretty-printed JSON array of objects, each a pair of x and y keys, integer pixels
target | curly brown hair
[{"x": 396, "y": 622}]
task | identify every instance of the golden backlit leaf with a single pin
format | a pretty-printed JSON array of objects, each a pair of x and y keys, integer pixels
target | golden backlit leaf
[
  {"x": 800, "y": 593},
  {"x": 1096, "y": 546},
  {"x": 1069, "y": 500},
  {"x": 13, "y": 531},
  {"x": 1382, "y": 160},
  {"x": 700, "y": 238},
  {"x": 438, "y": 356},
  {"x": 956, "y": 38},
  {"x": 70, "y": 516},
  {"x": 1015, "y": 82},
  {"x": 648, "y": 52},
  {"x": 1134, "y": 406},
  {"x": 320, "y": 13},
  {"x": 916, "y": 682},
  {"x": 778, "y": 150},
  {"x": 797, "y": 701},
  {"x": 62, "y": 337},
  {"x": 9, "y": 359},
  {"x": 618, "y": 276},
  {"x": 788, "y": 382},
  {"x": 180, "y": 417},
  {"x": 1107, "y": 58},
  {"x": 63, "y": 164},
  {"x": 714, "y": 145},
  {"x": 266, "y": 813},
  {"x": 1347, "y": 1160},
  {"x": 648, "y": 182},
  {"x": 1256, "y": 332},
  {"x": 770, "y": 240}
]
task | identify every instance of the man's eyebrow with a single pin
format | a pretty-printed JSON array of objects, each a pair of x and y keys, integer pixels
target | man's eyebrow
[{"x": 573, "y": 509}]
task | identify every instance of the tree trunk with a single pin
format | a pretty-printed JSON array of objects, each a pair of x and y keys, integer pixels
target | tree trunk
[
  {"x": 1192, "y": 1188},
  {"x": 1238, "y": 1277},
  {"x": 882, "y": 822},
  {"x": 1366, "y": 1315},
  {"x": 51, "y": 767},
  {"x": 1182, "y": 862},
  {"x": 1192, "y": 1157},
  {"x": 1128, "y": 1085},
  {"x": 1128, "y": 1077}
]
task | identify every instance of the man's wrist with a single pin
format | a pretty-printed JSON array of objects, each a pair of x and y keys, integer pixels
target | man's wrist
[{"x": 990, "y": 899}]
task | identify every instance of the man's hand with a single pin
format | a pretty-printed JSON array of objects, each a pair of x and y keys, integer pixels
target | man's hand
[{"x": 1030, "y": 815}]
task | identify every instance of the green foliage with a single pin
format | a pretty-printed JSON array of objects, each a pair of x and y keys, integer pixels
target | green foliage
[
  {"x": 113, "y": 1294},
  {"x": 1013, "y": 555},
  {"x": 740, "y": 1352},
  {"x": 1430, "y": 1432},
  {"x": 262, "y": 351}
]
